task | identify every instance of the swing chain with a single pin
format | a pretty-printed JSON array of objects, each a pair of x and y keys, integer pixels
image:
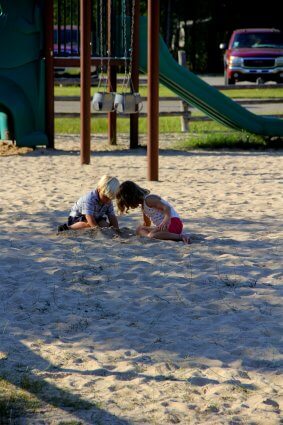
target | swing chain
[
  {"x": 101, "y": 79},
  {"x": 103, "y": 100},
  {"x": 127, "y": 81},
  {"x": 128, "y": 102},
  {"x": 109, "y": 50},
  {"x": 124, "y": 27},
  {"x": 120, "y": 102},
  {"x": 132, "y": 39}
]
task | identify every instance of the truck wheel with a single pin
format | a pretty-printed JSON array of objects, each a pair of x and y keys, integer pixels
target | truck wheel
[{"x": 228, "y": 81}]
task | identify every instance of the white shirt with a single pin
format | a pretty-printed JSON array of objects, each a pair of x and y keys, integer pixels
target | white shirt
[{"x": 155, "y": 215}]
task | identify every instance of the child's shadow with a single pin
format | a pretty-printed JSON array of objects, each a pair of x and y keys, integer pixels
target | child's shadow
[
  {"x": 124, "y": 234},
  {"x": 127, "y": 233},
  {"x": 100, "y": 233},
  {"x": 111, "y": 233}
]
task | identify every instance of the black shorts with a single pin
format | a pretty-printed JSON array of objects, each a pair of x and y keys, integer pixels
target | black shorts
[{"x": 73, "y": 220}]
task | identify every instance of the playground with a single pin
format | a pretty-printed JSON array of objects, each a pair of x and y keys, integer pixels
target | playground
[
  {"x": 99, "y": 329},
  {"x": 110, "y": 35}
]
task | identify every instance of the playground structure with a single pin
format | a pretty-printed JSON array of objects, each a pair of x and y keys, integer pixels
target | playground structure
[
  {"x": 22, "y": 73},
  {"x": 27, "y": 93},
  {"x": 27, "y": 71},
  {"x": 116, "y": 54}
]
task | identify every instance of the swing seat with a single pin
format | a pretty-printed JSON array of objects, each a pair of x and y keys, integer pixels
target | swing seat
[
  {"x": 103, "y": 102},
  {"x": 128, "y": 103}
]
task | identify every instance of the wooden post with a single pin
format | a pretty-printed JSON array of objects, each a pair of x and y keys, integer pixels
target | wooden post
[
  {"x": 153, "y": 88},
  {"x": 49, "y": 72},
  {"x": 134, "y": 118},
  {"x": 112, "y": 116},
  {"x": 112, "y": 80},
  {"x": 184, "y": 105},
  {"x": 85, "y": 62}
]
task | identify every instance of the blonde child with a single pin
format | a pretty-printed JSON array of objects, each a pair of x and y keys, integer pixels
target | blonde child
[
  {"x": 95, "y": 208},
  {"x": 168, "y": 225}
]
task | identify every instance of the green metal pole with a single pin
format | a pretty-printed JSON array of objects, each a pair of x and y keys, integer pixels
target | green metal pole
[{"x": 49, "y": 71}]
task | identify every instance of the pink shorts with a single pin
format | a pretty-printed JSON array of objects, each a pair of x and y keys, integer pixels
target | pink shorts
[{"x": 175, "y": 226}]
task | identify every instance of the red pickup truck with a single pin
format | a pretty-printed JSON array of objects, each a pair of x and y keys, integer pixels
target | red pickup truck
[{"x": 254, "y": 54}]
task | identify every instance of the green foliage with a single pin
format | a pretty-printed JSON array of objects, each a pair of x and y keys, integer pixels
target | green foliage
[
  {"x": 202, "y": 135},
  {"x": 254, "y": 93},
  {"x": 236, "y": 140},
  {"x": 100, "y": 125},
  {"x": 15, "y": 402},
  {"x": 70, "y": 10},
  {"x": 206, "y": 24},
  {"x": 27, "y": 394}
]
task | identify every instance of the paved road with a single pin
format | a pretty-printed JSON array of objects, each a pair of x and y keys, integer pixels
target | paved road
[
  {"x": 168, "y": 105},
  {"x": 259, "y": 109},
  {"x": 218, "y": 80}
]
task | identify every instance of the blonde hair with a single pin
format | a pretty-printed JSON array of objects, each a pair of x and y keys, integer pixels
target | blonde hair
[{"x": 108, "y": 186}]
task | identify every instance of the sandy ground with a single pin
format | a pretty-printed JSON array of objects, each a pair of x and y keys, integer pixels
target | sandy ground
[{"x": 107, "y": 330}]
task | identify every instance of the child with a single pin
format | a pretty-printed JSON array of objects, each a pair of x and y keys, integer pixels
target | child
[
  {"x": 95, "y": 208},
  {"x": 168, "y": 225}
]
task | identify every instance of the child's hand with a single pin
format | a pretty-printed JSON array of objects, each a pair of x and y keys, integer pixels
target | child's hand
[{"x": 164, "y": 224}]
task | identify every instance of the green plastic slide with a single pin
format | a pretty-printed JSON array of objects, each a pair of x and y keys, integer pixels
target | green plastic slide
[
  {"x": 22, "y": 72},
  {"x": 201, "y": 95}
]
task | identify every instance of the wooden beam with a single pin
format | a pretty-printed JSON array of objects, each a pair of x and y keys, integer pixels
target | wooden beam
[
  {"x": 153, "y": 88},
  {"x": 74, "y": 61},
  {"x": 134, "y": 118},
  {"x": 112, "y": 79},
  {"x": 85, "y": 30}
]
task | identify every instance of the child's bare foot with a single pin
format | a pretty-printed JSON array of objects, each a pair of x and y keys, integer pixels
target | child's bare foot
[{"x": 185, "y": 238}]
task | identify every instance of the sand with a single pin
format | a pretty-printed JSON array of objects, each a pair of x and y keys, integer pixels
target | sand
[{"x": 125, "y": 330}]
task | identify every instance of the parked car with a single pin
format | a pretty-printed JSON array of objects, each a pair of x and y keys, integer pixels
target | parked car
[
  {"x": 67, "y": 44},
  {"x": 255, "y": 55},
  {"x": 66, "y": 41}
]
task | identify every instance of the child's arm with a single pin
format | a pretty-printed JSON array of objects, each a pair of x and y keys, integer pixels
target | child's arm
[
  {"x": 154, "y": 201},
  {"x": 113, "y": 221},
  {"x": 146, "y": 220},
  {"x": 90, "y": 220}
]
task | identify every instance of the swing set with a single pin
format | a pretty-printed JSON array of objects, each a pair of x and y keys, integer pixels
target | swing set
[
  {"x": 117, "y": 46},
  {"x": 127, "y": 101}
]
